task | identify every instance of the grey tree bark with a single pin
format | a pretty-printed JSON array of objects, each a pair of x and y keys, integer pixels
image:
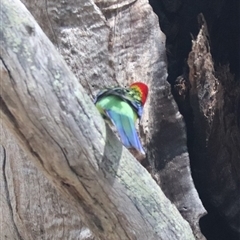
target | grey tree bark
[
  {"x": 31, "y": 208},
  {"x": 56, "y": 123},
  {"x": 125, "y": 45}
]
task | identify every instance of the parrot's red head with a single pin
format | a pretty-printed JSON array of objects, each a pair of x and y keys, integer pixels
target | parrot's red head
[{"x": 142, "y": 89}]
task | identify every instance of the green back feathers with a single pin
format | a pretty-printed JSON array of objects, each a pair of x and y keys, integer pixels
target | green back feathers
[{"x": 116, "y": 104}]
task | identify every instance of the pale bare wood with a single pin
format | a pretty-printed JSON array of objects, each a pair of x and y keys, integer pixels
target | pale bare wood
[
  {"x": 30, "y": 206},
  {"x": 58, "y": 125},
  {"x": 118, "y": 43}
]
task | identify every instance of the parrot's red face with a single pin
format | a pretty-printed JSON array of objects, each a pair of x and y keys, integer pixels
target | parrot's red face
[{"x": 142, "y": 89}]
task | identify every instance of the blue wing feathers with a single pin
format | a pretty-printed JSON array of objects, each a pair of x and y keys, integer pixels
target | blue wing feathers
[{"x": 126, "y": 129}]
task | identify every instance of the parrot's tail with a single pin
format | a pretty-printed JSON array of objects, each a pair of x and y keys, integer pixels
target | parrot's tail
[{"x": 126, "y": 130}]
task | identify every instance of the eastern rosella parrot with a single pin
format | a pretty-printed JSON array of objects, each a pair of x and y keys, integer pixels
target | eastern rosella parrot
[{"x": 122, "y": 107}]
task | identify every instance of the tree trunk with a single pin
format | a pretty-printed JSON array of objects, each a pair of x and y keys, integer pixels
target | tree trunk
[
  {"x": 56, "y": 123},
  {"x": 30, "y": 207},
  {"x": 125, "y": 44}
]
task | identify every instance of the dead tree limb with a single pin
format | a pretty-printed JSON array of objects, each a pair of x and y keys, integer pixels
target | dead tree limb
[{"x": 57, "y": 124}]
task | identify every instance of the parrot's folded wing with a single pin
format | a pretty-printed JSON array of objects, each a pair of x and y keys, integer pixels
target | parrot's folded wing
[{"x": 126, "y": 130}]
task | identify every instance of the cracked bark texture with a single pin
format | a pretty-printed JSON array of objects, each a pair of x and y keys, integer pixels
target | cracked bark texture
[
  {"x": 31, "y": 208},
  {"x": 46, "y": 108},
  {"x": 123, "y": 42}
]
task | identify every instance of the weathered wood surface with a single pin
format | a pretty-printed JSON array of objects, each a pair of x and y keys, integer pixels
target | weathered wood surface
[
  {"x": 31, "y": 208},
  {"x": 121, "y": 45},
  {"x": 57, "y": 124}
]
